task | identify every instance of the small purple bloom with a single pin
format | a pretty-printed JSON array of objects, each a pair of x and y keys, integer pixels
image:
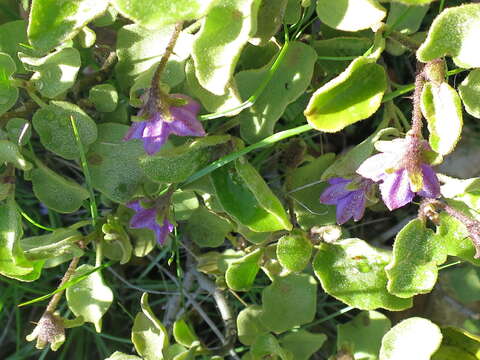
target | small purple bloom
[
  {"x": 147, "y": 218},
  {"x": 400, "y": 175},
  {"x": 155, "y": 130},
  {"x": 350, "y": 203}
]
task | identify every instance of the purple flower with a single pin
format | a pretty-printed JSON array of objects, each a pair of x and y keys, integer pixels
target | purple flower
[
  {"x": 147, "y": 218},
  {"x": 401, "y": 171},
  {"x": 154, "y": 131},
  {"x": 350, "y": 202}
]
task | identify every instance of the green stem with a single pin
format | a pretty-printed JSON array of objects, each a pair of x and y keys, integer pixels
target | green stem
[
  {"x": 254, "y": 97},
  {"x": 33, "y": 222}
]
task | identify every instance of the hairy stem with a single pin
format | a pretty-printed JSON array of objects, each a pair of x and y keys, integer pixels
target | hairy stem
[{"x": 52, "y": 305}]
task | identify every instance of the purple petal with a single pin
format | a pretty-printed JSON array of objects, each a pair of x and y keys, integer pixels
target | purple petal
[
  {"x": 135, "y": 131},
  {"x": 395, "y": 189},
  {"x": 161, "y": 232},
  {"x": 334, "y": 193},
  {"x": 191, "y": 105},
  {"x": 155, "y": 126},
  {"x": 135, "y": 205},
  {"x": 344, "y": 211},
  {"x": 185, "y": 124},
  {"x": 360, "y": 200},
  {"x": 374, "y": 167},
  {"x": 338, "y": 180},
  {"x": 431, "y": 186},
  {"x": 350, "y": 206},
  {"x": 143, "y": 218}
]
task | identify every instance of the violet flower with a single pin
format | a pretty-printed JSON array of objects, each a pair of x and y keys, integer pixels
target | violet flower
[
  {"x": 350, "y": 202},
  {"x": 147, "y": 218},
  {"x": 155, "y": 130},
  {"x": 402, "y": 172}
]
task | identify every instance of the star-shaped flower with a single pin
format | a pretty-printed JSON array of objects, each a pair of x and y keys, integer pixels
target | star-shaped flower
[
  {"x": 401, "y": 171},
  {"x": 349, "y": 196},
  {"x": 156, "y": 129}
]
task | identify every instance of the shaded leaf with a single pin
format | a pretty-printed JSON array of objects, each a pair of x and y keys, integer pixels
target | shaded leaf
[
  {"x": 8, "y": 92},
  {"x": 104, "y": 97},
  {"x": 303, "y": 344},
  {"x": 207, "y": 229},
  {"x": 270, "y": 18},
  {"x": 13, "y": 33},
  {"x": 53, "y": 125},
  {"x": 10, "y": 153},
  {"x": 288, "y": 83},
  {"x": 282, "y": 300},
  {"x": 353, "y": 272},
  {"x": 362, "y": 336},
  {"x": 249, "y": 324},
  {"x": 469, "y": 91}
]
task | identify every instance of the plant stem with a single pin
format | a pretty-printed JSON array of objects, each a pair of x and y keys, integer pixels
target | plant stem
[
  {"x": 417, "y": 111},
  {"x": 52, "y": 305}
]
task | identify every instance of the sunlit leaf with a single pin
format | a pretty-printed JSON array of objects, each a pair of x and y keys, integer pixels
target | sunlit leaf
[
  {"x": 10, "y": 153},
  {"x": 91, "y": 297},
  {"x": 184, "y": 334},
  {"x": 270, "y": 17},
  {"x": 352, "y": 96},
  {"x": 354, "y": 272},
  {"x": 52, "y": 22},
  {"x": 350, "y": 15},
  {"x": 241, "y": 273},
  {"x": 442, "y": 108},
  {"x": 104, "y": 97},
  {"x": 469, "y": 91},
  {"x": 455, "y": 33},
  {"x": 294, "y": 251},
  {"x": 13, "y": 33},
  {"x": 413, "y": 338},
  {"x": 8, "y": 92},
  {"x": 216, "y": 49}
]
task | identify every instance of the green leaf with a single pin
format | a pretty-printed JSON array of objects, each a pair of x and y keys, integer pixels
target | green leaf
[
  {"x": 353, "y": 272},
  {"x": 241, "y": 273},
  {"x": 293, "y": 12},
  {"x": 454, "y": 33},
  {"x": 212, "y": 102},
  {"x": 91, "y": 297},
  {"x": 306, "y": 190},
  {"x": 149, "y": 336},
  {"x": 53, "y": 22},
  {"x": 53, "y": 125},
  {"x": 59, "y": 243},
  {"x": 270, "y": 18},
  {"x": 287, "y": 84},
  {"x": 87, "y": 37},
  {"x": 19, "y": 131},
  {"x": 457, "y": 344},
  {"x": 13, "y": 34},
  {"x": 184, "y": 334},
  {"x": 413, "y": 338},
  {"x": 414, "y": 2},
  {"x": 303, "y": 344},
  {"x": 54, "y": 73},
  {"x": 214, "y": 55},
  {"x": 362, "y": 336},
  {"x": 13, "y": 263},
  {"x": 416, "y": 254},
  {"x": 350, "y": 15},
  {"x": 117, "y": 355},
  {"x": 10, "y": 153},
  {"x": 185, "y": 203},
  {"x": 176, "y": 164},
  {"x": 339, "y": 47},
  {"x": 57, "y": 192},
  {"x": 249, "y": 324},
  {"x": 246, "y": 197},
  {"x": 406, "y": 18},
  {"x": 352, "y": 96},
  {"x": 8, "y": 92},
  {"x": 206, "y": 228},
  {"x": 267, "y": 345},
  {"x": 442, "y": 108},
  {"x": 155, "y": 14},
  {"x": 289, "y": 301},
  {"x": 469, "y": 91},
  {"x": 114, "y": 163},
  {"x": 463, "y": 282},
  {"x": 104, "y": 97},
  {"x": 117, "y": 245},
  {"x": 139, "y": 50},
  {"x": 294, "y": 251}
]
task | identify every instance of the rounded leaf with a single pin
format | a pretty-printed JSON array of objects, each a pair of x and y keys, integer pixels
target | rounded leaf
[
  {"x": 469, "y": 91},
  {"x": 8, "y": 92},
  {"x": 104, "y": 97},
  {"x": 294, "y": 251},
  {"x": 350, "y": 15},
  {"x": 354, "y": 272},
  {"x": 414, "y": 338},
  {"x": 249, "y": 324},
  {"x": 53, "y": 125},
  {"x": 455, "y": 32},
  {"x": 207, "y": 229},
  {"x": 352, "y": 96},
  {"x": 241, "y": 273}
]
